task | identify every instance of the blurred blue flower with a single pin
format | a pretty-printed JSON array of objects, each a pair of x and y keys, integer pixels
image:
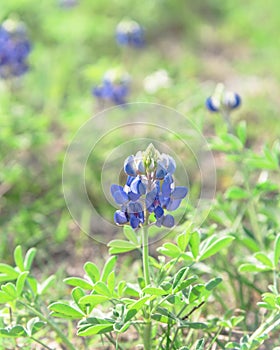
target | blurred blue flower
[
  {"x": 130, "y": 33},
  {"x": 222, "y": 100},
  {"x": 149, "y": 189},
  {"x": 67, "y": 4},
  {"x": 114, "y": 87},
  {"x": 14, "y": 49}
]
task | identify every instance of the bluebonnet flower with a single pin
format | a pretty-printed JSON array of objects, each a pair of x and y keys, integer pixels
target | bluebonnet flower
[
  {"x": 14, "y": 49},
  {"x": 114, "y": 87},
  {"x": 222, "y": 100},
  {"x": 149, "y": 189},
  {"x": 130, "y": 33}
]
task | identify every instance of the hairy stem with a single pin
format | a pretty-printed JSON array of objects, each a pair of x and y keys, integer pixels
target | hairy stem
[
  {"x": 145, "y": 255},
  {"x": 147, "y": 333}
]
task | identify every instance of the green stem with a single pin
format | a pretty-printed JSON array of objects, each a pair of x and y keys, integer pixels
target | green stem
[
  {"x": 147, "y": 333},
  {"x": 41, "y": 343},
  {"x": 145, "y": 255},
  {"x": 51, "y": 324},
  {"x": 268, "y": 326}
]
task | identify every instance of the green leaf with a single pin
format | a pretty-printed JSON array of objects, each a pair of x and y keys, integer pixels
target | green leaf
[
  {"x": 20, "y": 282},
  {"x": 277, "y": 250},
  {"x": 10, "y": 289},
  {"x": 241, "y": 131},
  {"x": 7, "y": 273},
  {"x": 93, "y": 299},
  {"x": 135, "y": 307},
  {"x": 183, "y": 285},
  {"x": 29, "y": 257},
  {"x": 200, "y": 345},
  {"x": 66, "y": 311},
  {"x": 250, "y": 244},
  {"x": 213, "y": 283},
  {"x": 194, "y": 325},
  {"x": 264, "y": 259},
  {"x": 160, "y": 318},
  {"x": 33, "y": 284},
  {"x": 122, "y": 246},
  {"x": 115, "y": 250},
  {"x": 169, "y": 249},
  {"x": 19, "y": 258},
  {"x": 108, "y": 268},
  {"x": 111, "y": 282},
  {"x": 77, "y": 294},
  {"x": 5, "y": 298},
  {"x": 34, "y": 325},
  {"x": 250, "y": 268},
  {"x": 181, "y": 274},
  {"x": 78, "y": 282},
  {"x": 92, "y": 271},
  {"x": 96, "y": 329},
  {"x": 130, "y": 234},
  {"x": 216, "y": 246},
  {"x": 183, "y": 240},
  {"x": 18, "y": 331},
  {"x": 101, "y": 288},
  {"x": 194, "y": 243},
  {"x": 236, "y": 193},
  {"x": 154, "y": 291},
  {"x": 132, "y": 290}
]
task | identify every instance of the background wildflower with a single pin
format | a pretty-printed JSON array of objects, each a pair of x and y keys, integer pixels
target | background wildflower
[
  {"x": 114, "y": 87},
  {"x": 130, "y": 33},
  {"x": 14, "y": 49}
]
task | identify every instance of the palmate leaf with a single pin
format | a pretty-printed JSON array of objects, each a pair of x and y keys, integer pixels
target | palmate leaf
[
  {"x": 7, "y": 273},
  {"x": 92, "y": 271},
  {"x": 108, "y": 268},
  {"x": 130, "y": 234},
  {"x": 78, "y": 282},
  {"x": 118, "y": 246},
  {"x": 216, "y": 246},
  {"x": 170, "y": 249},
  {"x": 14, "y": 332},
  {"x": 96, "y": 329},
  {"x": 95, "y": 325},
  {"x": 19, "y": 258},
  {"x": 64, "y": 310},
  {"x": 20, "y": 282}
]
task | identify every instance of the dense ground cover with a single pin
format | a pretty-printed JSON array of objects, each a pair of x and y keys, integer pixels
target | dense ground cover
[{"x": 192, "y": 46}]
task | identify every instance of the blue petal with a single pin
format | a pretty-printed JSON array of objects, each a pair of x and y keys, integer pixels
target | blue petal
[
  {"x": 168, "y": 221},
  {"x": 133, "y": 196},
  {"x": 166, "y": 189},
  {"x": 158, "y": 212},
  {"x": 150, "y": 198},
  {"x": 179, "y": 192},
  {"x": 160, "y": 172},
  {"x": 138, "y": 187},
  {"x": 130, "y": 166},
  {"x": 129, "y": 180},
  {"x": 171, "y": 165},
  {"x": 118, "y": 194},
  {"x": 173, "y": 204},
  {"x": 237, "y": 101},
  {"x": 120, "y": 218},
  {"x": 134, "y": 221},
  {"x": 209, "y": 105}
]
